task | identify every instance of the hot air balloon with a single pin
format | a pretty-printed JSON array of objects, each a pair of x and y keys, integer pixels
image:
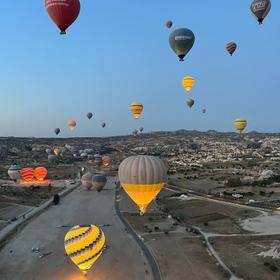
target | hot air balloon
[
  {"x": 84, "y": 245},
  {"x": 190, "y": 102},
  {"x": 56, "y": 151},
  {"x": 231, "y": 47},
  {"x": 181, "y": 41},
  {"x": 52, "y": 158},
  {"x": 142, "y": 177},
  {"x": 87, "y": 180},
  {"x": 40, "y": 173},
  {"x": 169, "y": 24},
  {"x": 260, "y": 9},
  {"x": 103, "y": 124},
  {"x": 72, "y": 124},
  {"x": 63, "y": 12},
  {"x": 188, "y": 82},
  {"x": 27, "y": 174},
  {"x": 136, "y": 109},
  {"x": 35, "y": 157},
  {"x": 135, "y": 132},
  {"x": 141, "y": 129},
  {"x": 57, "y": 131},
  {"x": 14, "y": 172},
  {"x": 99, "y": 182},
  {"x": 89, "y": 115},
  {"x": 204, "y": 111},
  {"x": 240, "y": 125},
  {"x": 106, "y": 160}
]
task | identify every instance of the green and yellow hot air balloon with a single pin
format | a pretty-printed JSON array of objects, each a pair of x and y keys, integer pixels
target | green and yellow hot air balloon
[
  {"x": 84, "y": 245},
  {"x": 240, "y": 125}
]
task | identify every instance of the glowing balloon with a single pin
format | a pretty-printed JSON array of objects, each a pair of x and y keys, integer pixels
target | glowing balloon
[
  {"x": 27, "y": 174},
  {"x": 84, "y": 245},
  {"x": 142, "y": 177},
  {"x": 56, "y": 151},
  {"x": 72, "y": 124},
  {"x": 240, "y": 125},
  {"x": 260, "y": 9},
  {"x": 188, "y": 82},
  {"x": 181, "y": 41},
  {"x": 106, "y": 160},
  {"x": 136, "y": 109},
  {"x": 63, "y": 12},
  {"x": 190, "y": 103},
  {"x": 231, "y": 47},
  {"x": 40, "y": 173}
]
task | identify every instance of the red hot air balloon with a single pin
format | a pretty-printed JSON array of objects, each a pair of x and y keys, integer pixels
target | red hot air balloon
[
  {"x": 40, "y": 173},
  {"x": 63, "y": 12},
  {"x": 27, "y": 174}
]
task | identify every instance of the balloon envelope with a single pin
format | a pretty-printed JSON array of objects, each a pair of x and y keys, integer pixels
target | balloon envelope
[
  {"x": 190, "y": 103},
  {"x": 89, "y": 115},
  {"x": 142, "y": 177},
  {"x": 14, "y": 172},
  {"x": 57, "y": 131},
  {"x": 103, "y": 124},
  {"x": 84, "y": 245},
  {"x": 188, "y": 82},
  {"x": 240, "y": 125},
  {"x": 169, "y": 24},
  {"x": 72, "y": 124},
  {"x": 231, "y": 47},
  {"x": 63, "y": 12},
  {"x": 181, "y": 41},
  {"x": 260, "y": 9},
  {"x": 87, "y": 180},
  {"x": 99, "y": 182},
  {"x": 136, "y": 109}
]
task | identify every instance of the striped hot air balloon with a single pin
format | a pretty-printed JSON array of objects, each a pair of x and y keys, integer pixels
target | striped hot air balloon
[
  {"x": 240, "y": 125},
  {"x": 40, "y": 173},
  {"x": 27, "y": 174},
  {"x": 84, "y": 245},
  {"x": 188, "y": 82},
  {"x": 231, "y": 47},
  {"x": 136, "y": 109}
]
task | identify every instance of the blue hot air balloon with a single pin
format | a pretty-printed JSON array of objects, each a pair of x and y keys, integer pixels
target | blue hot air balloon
[{"x": 260, "y": 9}]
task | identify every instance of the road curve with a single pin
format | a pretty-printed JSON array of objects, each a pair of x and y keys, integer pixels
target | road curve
[
  {"x": 152, "y": 262},
  {"x": 123, "y": 260}
]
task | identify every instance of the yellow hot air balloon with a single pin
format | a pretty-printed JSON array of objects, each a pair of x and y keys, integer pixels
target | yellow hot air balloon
[
  {"x": 84, "y": 245},
  {"x": 188, "y": 82},
  {"x": 142, "y": 177},
  {"x": 72, "y": 124},
  {"x": 240, "y": 125},
  {"x": 136, "y": 109}
]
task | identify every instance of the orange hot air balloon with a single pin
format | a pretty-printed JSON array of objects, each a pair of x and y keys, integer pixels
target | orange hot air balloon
[
  {"x": 106, "y": 160},
  {"x": 63, "y": 12},
  {"x": 136, "y": 109},
  {"x": 56, "y": 151},
  {"x": 40, "y": 173},
  {"x": 72, "y": 124},
  {"x": 27, "y": 174},
  {"x": 231, "y": 47}
]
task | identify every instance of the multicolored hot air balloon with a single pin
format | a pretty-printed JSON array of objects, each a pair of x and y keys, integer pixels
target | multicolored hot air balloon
[
  {"x": 136, "y": 109},
  {"x": 260, "y": 9},
  {"x": 63, "y": 12},
  {"x": 188, "y": 82},
  {"x": 40, "y": 173},
  {"x": 181, "y": 41},
  {"x": 169, "y": 24},
  {"x": 57, "y": 131},
  {"x": 27, "y": 174},
  {"x": 89, "y": 115},
  {"x": 142, "y": 177},
  {"x": 99, "y": 181},
  {"x": 190, "y": 102},
  {"x": 84, "y": 245},
  {"x": 231, "y": 47},
  {"x": 72, "y": 124},
  {"x": 240, "y": 125}
]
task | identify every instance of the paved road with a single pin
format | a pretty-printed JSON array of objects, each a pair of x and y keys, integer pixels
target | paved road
[{"x": 122, "y": 260}]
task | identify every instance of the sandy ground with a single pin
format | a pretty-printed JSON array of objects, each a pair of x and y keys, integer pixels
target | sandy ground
[
  {"x": 180, "y": 254},
  {"x": 122, "y": 260},
  {"x": 241, "y": 254}
]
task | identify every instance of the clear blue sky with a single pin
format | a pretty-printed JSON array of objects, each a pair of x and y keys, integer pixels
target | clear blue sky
[{"x": 118, "y": 52}]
